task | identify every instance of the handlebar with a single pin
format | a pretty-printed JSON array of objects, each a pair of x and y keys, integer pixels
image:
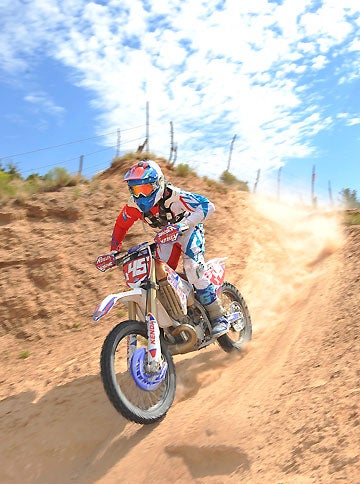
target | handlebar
[{"x": 169, "y": 233}]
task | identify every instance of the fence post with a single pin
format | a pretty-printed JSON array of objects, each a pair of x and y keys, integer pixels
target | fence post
[
  {"x": 257, "y": 180},
  {"x": 278, "y": 184},
  {"x": 171, "y": 141},
  {"x": 80, "y": 164},
  {"x": 147, "y": 128},
  {"x": 230, "y": 152},
  {"x": 173, "y": 147},
  {"x": 117, "y": 144},
  {"x": 313, "y": 198},
  {"x": 330, "y": 194}
]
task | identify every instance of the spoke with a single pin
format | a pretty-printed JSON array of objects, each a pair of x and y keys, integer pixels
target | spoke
[
  {"x": 142, "y": 399},
  {"x": 230, "y": 305}
]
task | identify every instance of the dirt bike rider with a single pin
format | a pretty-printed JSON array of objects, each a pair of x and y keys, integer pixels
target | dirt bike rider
[{"x": 159, "y": 203}]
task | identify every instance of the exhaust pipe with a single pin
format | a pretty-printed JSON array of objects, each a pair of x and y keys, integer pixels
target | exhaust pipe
[{"x": 187, "y": 346}]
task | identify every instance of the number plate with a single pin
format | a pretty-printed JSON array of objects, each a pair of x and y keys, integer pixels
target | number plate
[{"x": 136, "y": 270}]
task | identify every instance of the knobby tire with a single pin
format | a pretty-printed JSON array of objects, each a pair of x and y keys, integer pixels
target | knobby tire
[
  {"x": 231, "y": 293},
  {"x": 118, "y": 393}
]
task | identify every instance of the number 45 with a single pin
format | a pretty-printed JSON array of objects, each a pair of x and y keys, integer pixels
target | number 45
[{"x": 136, "y": 267}]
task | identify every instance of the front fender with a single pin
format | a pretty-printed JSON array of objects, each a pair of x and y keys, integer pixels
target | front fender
[
  {"x": 136, "y": 295},
  {"x": 109, "y": 302}
]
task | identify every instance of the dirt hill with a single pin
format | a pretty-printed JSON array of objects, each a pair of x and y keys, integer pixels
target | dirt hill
[{"x": 286, "y": 411}]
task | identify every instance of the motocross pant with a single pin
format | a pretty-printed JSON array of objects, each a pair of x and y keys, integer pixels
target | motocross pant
[{"x": 192, "y": 245}]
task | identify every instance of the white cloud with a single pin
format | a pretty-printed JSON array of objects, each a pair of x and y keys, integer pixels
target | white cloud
[
  {"x": 349, "y": 119},
  {"x": 319, "y": 62},
  {"x": 246, "y": 69},
  {"x": 353, "y": 121},
  {"x": 44, "y": 103}
]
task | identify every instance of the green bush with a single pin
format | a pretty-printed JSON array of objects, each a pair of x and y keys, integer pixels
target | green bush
[
  {"x": 349, "y": 198},
  {"x": 184, "y": 170},
  {"x": 57, "y": 177},
  {"x": 24, "y": 354},
  {"x": 33, "y": 183},
  {"x": 215, "y": 185},
  {"x": 229, "y": 179},
  {"x": 13, "y": 171},
  {"x": 352, "y": 217},
  {"x": 6, "y": 187},
  {"x": 131, "y": 156},
  {"x": 12, "y": 185}
]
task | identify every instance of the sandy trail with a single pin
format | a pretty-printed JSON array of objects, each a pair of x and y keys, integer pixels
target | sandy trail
[{"x": 285, "y": 411}]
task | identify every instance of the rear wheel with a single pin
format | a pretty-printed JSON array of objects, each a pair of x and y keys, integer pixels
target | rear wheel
[
  {"x": 134, "y": 403},
  {"x": 240, "y": 330}
]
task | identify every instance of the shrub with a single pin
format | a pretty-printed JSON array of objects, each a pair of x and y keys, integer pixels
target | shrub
[
  {"x": 349, "y": 198},
  {"x": 131, "y": 156},
  {"x": 24, "y": 354},
  {"x": 33, "y": 183},
  {"x": 57, "y": 177},
  {"x": 6, "y": 187},
  {"x": 352, "y": 217},
  {"x": 229, "y": 179},
  {"x": 76, "y": 193},
  {"x": 215, "y": 184},
  {"x": 13, "y": 171},
  {"x": 94, "y": 186},
  {"x": 184, "y": 170},
  {"x": 13, "y": 186}
]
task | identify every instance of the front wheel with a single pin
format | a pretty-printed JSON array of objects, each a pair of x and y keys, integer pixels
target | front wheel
[
  {"x": 134, "y": 403},
  {"x": 241, "y": 330}
]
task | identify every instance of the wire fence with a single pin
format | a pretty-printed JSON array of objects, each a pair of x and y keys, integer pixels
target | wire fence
[{"x": 86, "y": 158}]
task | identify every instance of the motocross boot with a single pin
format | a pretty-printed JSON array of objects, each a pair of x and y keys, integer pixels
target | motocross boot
[{"x": 218, "y": 321}]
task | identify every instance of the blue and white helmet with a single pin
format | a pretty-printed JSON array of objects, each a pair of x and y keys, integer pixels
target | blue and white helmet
[{"x": 146, "y": 183}]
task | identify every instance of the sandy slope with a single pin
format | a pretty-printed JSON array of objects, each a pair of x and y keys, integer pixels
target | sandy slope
[{"x": 286, "y": 411}]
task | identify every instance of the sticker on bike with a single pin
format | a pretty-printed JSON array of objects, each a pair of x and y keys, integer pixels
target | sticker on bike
[
  {"x": 105, "y": 262},
  {"x": 136, "y": 270},
  {"x": 215, "y": 271}
]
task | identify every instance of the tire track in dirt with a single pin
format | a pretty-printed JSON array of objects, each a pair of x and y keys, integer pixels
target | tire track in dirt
[
  {"x": 278, "y": 413},
  {"x": 252, "y": 383}
]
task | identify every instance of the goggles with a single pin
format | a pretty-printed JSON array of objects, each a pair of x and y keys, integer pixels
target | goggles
[{"x": 143, "y": 190}]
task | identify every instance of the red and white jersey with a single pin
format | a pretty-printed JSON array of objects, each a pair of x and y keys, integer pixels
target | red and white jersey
[{"x": 175, "y": 205}]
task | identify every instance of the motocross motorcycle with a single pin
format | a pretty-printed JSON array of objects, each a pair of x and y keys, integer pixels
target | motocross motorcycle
[{"x": 165, "y": 319}]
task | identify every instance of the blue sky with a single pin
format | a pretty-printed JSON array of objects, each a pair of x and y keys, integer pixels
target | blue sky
[{"x": 284, "y": 76}]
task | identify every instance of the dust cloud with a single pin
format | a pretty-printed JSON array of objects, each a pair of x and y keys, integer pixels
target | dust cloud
[{"x": 288, "y": 244}]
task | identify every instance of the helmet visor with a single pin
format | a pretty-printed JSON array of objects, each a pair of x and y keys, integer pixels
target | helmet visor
[{"x": 143, "y": 190}]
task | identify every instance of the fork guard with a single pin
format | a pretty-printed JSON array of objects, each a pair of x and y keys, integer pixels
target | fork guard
[{"x": 146, "y": 381}]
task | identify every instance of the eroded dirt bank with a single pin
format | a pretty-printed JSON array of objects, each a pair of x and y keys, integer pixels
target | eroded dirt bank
[{"x": 286, "y": 411}]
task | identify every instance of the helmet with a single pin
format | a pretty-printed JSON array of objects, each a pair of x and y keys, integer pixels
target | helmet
[{"x": 146, "y": 183}]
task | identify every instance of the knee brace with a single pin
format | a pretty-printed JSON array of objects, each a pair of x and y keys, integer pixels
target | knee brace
[{"x": 207, "y": 295}]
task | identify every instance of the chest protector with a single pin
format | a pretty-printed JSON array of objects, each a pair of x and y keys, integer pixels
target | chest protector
[{"x": 165, "y": 216}]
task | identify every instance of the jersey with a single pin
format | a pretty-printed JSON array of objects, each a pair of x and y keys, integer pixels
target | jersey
[{"x": 174, "y": 206}]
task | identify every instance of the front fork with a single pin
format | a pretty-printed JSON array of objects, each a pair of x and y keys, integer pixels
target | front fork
[
  {"x": 154, "y": 358},
  {"x": 154, "y": 347},
  {"x": 132, "y": 338}
]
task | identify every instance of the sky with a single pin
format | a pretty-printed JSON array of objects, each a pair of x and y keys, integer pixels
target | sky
[{"x": 279, "y": 78}]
